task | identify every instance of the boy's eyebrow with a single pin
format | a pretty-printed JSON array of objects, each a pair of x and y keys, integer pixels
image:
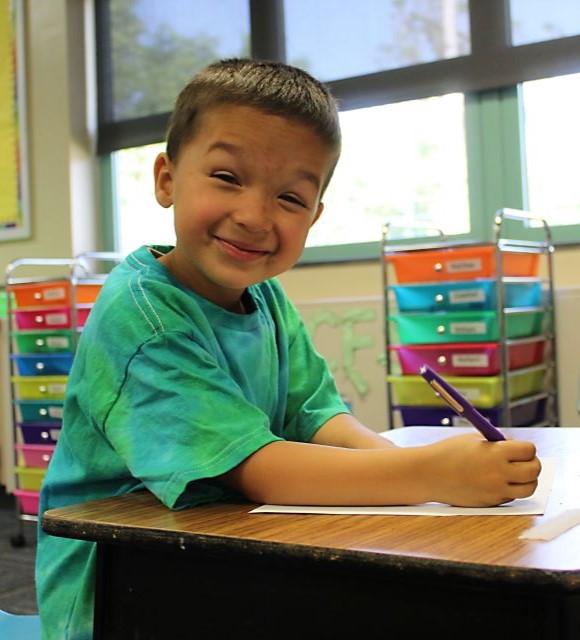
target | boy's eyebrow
[{"x": 228, "y": 147}]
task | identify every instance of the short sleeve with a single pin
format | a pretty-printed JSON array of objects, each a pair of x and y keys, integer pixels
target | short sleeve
[{"x": 181, "y": 418}]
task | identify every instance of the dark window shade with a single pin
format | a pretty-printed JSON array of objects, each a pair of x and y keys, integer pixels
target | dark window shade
[{"x": 493, "y": 63}]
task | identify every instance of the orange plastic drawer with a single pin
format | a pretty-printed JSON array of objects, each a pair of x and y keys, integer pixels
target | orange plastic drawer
[
  {"x": 460, "y": 263},
  {"x": 38, "y": 294},
  {"x": 54, "y": 293},
  {"x": 87, "y": 292}
]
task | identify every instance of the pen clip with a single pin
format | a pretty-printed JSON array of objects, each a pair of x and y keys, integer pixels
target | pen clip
[{"x": 446, "y": 396}]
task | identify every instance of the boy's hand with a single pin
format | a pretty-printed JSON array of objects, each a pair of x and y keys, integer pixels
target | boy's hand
[{"x": 471, "y": 472}]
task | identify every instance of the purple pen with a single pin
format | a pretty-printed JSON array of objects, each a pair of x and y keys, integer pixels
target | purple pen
[{"x": 461, "y": 405}]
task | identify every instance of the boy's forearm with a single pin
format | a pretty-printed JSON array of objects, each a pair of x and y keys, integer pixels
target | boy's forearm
[
  {"x": 344, "y": 430},
  {"x": 297, "y": 473}
]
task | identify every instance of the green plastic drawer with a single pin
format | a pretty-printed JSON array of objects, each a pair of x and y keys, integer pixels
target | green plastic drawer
[
  {"x": 464, "y": 326},
  {"x": 43, "y": 342}
]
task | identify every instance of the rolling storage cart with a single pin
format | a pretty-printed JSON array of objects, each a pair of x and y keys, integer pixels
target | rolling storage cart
[
  {"x": 47, "y": 310},
  {"x": 480, "y": 315}
]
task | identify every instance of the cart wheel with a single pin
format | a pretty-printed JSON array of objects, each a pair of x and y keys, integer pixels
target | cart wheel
[{"x": 17, "y": 540}]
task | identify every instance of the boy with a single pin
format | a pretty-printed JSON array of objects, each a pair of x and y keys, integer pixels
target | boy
[{"x": 196, "y": 379}]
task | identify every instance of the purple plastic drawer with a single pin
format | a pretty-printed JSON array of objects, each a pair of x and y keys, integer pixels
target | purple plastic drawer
[
  {"x": 40, "y": 432},
  {"x": 469, "y": 359},
  {"x": 523, "y": 415}
]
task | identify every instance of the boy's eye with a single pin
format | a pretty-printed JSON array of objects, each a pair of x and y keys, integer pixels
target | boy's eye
[
  {"x": 226, "y": 177},
  {"x": 288, "y": 197}
]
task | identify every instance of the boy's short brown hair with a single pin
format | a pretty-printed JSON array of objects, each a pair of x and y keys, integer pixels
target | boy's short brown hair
[{"x": 274, "y": 87}]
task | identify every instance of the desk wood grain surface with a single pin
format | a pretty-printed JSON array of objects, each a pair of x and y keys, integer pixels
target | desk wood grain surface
[{"x": 486, "y": 545}]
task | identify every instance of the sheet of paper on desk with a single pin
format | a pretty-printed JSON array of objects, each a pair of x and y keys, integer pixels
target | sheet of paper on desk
[{"x": 534, "y": 505}]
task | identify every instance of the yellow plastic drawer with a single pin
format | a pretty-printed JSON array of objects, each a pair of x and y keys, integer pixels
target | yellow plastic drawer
[
  {"x": 484, "y": 392},
  {"x": 39, "y": 387}
]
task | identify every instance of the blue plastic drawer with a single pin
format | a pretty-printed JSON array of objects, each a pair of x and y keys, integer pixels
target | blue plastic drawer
[
  {"x": 47, "y": 364},
  {"x": 464, "y": 326},
  {"x": 465, "y": 295}
]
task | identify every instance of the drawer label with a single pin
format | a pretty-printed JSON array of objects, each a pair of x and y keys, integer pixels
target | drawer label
[
  {"x": 54, "y": 293},
  {"x": 55, "y": 412},
  {"x": 56, "y": 388},
  {"x": 472, "y": 394},
  {"x": 53, "y": 319},
  {"x": 466, "y": 295},
  {"x": 470, "y": 360},
  {"x": 55, "y": 433},
  {"x": 463, "y": 266},
  {"x": 458, "y": 421},
  {"x": 467, "y": 328},
  {"x": 57, "y": 342}
]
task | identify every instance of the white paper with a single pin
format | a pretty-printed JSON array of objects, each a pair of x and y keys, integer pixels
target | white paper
[{"x": 534, "y": 505}]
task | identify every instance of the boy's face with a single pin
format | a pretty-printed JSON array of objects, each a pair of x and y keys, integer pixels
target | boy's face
[{"x": 245, "y": 192}]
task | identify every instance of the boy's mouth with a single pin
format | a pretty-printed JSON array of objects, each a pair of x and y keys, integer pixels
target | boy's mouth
[{"x": 241, "y": 251}]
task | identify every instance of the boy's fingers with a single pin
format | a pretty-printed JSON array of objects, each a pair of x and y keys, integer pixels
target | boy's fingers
[
  {"x": 524, "y": 490},
  {"x": 522, "y": 472},
  {"x": 520, "y": 450}
]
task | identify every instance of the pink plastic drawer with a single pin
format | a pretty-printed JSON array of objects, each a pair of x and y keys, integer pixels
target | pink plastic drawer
[
  {"x": 469, "y": 359},
  {"x": 59, "y": 318},
  {"x": 35, "y": 455},
  {"x": 27, "y": 501}
]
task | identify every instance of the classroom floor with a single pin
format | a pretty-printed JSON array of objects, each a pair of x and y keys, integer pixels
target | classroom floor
[{"x": 17, "y": 590}]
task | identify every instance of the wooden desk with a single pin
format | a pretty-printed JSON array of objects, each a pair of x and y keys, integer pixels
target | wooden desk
[{"x": 216, "y": 571}]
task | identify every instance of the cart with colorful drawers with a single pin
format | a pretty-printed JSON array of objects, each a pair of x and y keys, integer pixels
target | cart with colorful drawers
[
  {"x": 47, "y": 309},
  {"x": 480, "y": 315}
]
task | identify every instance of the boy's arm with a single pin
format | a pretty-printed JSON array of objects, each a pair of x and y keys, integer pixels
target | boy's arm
[
  {"x": 462, "y": 470},
  {"x": 344, "y": 430}
]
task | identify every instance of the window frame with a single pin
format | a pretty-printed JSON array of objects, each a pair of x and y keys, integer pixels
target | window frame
[{"x": 490, "y": 78}]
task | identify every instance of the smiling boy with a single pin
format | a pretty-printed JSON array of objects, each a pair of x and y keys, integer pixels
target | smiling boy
[{"x": 195, "y": 377}]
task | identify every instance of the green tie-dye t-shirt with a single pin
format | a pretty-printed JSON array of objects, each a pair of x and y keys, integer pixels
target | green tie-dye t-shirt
[{"x": 168, "y": 391}]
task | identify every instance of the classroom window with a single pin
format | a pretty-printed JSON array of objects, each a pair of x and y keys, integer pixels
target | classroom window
[
  {"x": 157, "y": 46},
  {"x": 373, "y": 36},
  {"x": 539, "y": 20},
  {"x": 445, "y": 105},
  {"x": 404, "y": 163},
  {"x": 552, "y": 140}
]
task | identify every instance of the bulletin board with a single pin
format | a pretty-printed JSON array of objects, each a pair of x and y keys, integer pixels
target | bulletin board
[
  {"x": 14, "y": 185},
  {"x": 349, "y": 333}
]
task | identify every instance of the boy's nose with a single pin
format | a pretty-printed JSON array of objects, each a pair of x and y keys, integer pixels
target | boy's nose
[{"x": 254, "y": 214}]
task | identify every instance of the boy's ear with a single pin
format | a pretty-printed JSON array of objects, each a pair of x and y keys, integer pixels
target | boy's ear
[
  {"x": 318, "y": 213},
  {"x": 163, "y": 172}
]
